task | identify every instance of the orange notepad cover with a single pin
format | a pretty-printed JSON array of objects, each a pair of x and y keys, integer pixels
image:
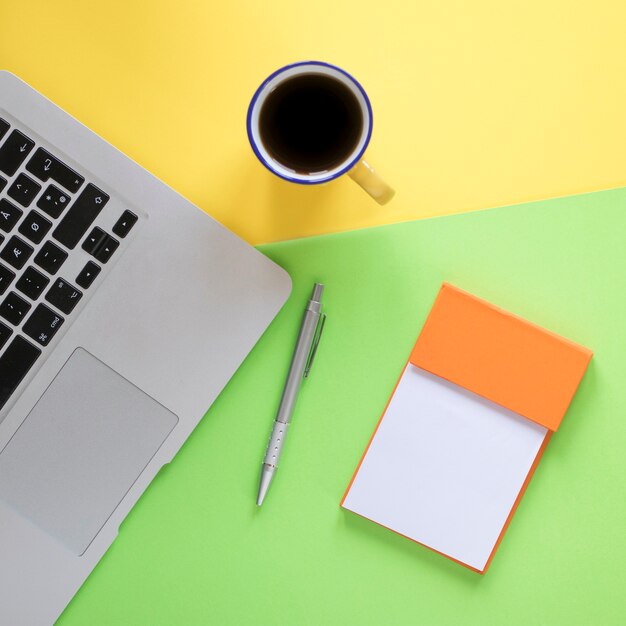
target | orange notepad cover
[
  {"x": 500, "y": 356},
  {"x": 470, "y": 344}
]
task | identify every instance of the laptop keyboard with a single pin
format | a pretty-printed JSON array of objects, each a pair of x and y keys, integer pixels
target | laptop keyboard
[{"x": 46, "y": 211}]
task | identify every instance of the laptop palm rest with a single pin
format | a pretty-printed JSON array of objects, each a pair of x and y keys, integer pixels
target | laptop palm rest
[{"x": 80, "y": 450}]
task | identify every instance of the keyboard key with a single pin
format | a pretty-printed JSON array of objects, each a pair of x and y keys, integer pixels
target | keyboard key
[
  {"x": 95, "y": 238},
  {"x": 53, "y": 201},
  {"x": 9, "y": 215},
  {"x": 6, "y": 277},
  {"x": 16, "y": 252},
  {"x": 50, "y": 257},
  {"x": 5, "y": 333},
  {"x": 4, "y": 126},
  {"x": 106, "y": 249},
  {"x": 43, "y": 324},
  {"x": 124, "y": 224},
  {"x": 24, "y": 189},
  {"x": 14, "y": 308},
  {"x": 13, "y": 152},
  {"x": 32, "y": 283},
  {"x": 35, "y": 227},
  {"x": 18, "y": 358},
  {"x": 100, "y": 245},
  {"x": 45, "y": 166},
  {"x": 63, "y": 296},
  {"x": 80, "y": 216},
  {"x": 3, "y": 183},
  {"x": 87, "y": 275}
]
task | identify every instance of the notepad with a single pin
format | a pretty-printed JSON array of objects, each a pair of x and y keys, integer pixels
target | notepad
[{"x": 475, "y": 406}]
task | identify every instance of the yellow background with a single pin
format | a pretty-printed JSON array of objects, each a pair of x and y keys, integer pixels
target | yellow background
[{"x": 476, "y": 104}]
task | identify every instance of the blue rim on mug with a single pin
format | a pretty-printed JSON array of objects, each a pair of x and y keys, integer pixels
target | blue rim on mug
[{"x": 354, "y": 159}]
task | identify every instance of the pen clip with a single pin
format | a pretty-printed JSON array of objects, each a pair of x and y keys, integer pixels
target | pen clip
[{"x": 316, "y": 341}]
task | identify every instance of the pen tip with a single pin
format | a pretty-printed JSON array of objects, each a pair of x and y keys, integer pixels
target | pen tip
[{"x": 266, "y": 479}]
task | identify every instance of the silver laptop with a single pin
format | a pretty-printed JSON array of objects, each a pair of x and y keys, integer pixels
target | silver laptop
[{"x": 124, "y": 310}]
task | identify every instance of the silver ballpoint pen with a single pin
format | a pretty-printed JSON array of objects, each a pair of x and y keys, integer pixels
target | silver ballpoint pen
[{"x": 304, "y": 353}]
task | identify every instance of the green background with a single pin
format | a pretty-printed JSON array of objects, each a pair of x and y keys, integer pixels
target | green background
[{"x": 196, "y": 550}]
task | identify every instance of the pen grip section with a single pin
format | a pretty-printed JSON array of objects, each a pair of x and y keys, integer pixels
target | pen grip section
[{"x": 275, "y": 444}]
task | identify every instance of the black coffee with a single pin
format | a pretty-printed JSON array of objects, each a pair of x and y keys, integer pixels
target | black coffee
[{"x": 310, "y": 123}]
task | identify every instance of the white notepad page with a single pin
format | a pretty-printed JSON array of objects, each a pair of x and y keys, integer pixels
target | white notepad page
[{"x": 445, "y": 467}]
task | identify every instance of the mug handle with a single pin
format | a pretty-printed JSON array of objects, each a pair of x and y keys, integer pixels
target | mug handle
[{"x": 364, "y": 175}]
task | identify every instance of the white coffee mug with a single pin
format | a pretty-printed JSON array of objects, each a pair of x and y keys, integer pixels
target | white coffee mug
[{"x": 353, "y": 164}]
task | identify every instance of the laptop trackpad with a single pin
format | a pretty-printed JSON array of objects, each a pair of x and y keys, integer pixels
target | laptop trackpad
[{"x": 80, "y": 449}]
